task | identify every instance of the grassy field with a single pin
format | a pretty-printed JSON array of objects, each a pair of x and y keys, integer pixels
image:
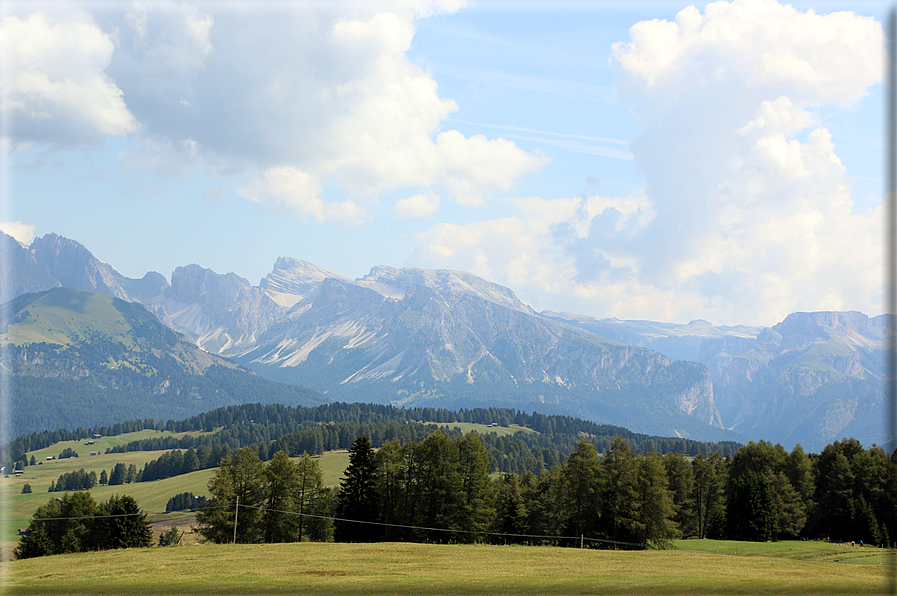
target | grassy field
[
  {"x": 391, "y": 568},
  {"x": 151, "y": 496},
  {"x": 501, "y": 431},
  {"x": 797, "y": 550}
]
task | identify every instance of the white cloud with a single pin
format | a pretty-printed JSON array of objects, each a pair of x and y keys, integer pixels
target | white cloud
[
  {"x": 55, "y": 86},
  {"x": 758, "y": 45},
  {"x": 286, "y": 189},
  {"x": 24, "y": 233},
  {"x": 747, "y": 214},
  {"x": 754, "y": 211},
  {"x": 325, "y": 88},
  {"x": 419, "y": 205},
  {"x": 531, "y": 252}
]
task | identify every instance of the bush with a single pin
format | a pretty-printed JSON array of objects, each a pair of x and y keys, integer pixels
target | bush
[{"x": 170, "y": 538}]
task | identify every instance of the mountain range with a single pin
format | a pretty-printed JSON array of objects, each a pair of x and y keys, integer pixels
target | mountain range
[{"x": 451, "y": 339}]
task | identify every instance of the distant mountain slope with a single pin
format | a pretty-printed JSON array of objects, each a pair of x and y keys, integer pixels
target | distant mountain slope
[
  {"x": 80, "y": 359},
  {"x": 404, "y": 336},
  {"x": 676, "y": 341},
  {"x": 441, "y": 346},
  {"x": 451, "y": 339},
  {"x": 812, "y": 379}
]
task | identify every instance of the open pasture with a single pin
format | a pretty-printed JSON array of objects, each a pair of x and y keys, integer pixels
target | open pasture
[
  {"x": 151, "y": 496},
  {"x": 392, "y": 568},
  {"x": 501, "y": 431}
]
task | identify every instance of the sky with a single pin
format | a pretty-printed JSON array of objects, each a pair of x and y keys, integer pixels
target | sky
[{"x": 651, "y": 160}]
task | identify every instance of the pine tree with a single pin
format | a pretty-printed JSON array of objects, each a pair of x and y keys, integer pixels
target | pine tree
[
  {"x": 512, "y": 514},
  {"x": 36, "y": 543},
  {"x": 310, "y": 498},
  {"x": 358, "y": 495},
  {"x": 241, "y": 480},
  {"x": 681, "y": 480},
  {"x": 126, "y": 526},
  {"x": 118, "y": 475},
  {"x": 477, "y": 494},
  {"x": 654, "y": 502},
  {"x": 581, "y": 482},
  {"x": 619, "y": 498},
  {"x": 750, "y": 514},
  {"x": 281, "y": 488}
]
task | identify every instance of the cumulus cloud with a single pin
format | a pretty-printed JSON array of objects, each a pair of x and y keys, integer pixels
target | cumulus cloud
[
  {"x": 325, "y": 88},
  {"x": 55, "y": 85},
  {"x": 419, "y": 205},
  {"x": 747, "y": 213},
  {"x": 24, "y": 233},
  {"x": 288, "y": 190}
]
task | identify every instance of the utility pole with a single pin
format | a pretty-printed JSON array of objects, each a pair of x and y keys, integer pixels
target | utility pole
[{"x": 236, "y": 512}]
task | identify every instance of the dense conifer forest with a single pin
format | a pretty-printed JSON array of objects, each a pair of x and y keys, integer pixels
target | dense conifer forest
[{"x": 414, "y": 475}]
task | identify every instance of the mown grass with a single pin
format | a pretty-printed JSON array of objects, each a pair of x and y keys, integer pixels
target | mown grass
[
  {"x": 151, "y": 496},
  {"x": 391, "y": 568},
  {"x": 799, "y": 550}
]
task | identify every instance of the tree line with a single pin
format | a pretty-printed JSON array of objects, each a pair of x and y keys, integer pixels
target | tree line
[
  {"x": 81, "y": 480},
  {"x": 518, "y": 453},
  {"x": 439, "y": 490},
  {"x": 76, "y": 523},
  {"x": 243, "y": 425}
]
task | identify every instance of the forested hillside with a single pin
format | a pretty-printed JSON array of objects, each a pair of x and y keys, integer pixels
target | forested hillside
[
  {"x": 415, "y": 475},
  {"x": 81, "y": 359}
]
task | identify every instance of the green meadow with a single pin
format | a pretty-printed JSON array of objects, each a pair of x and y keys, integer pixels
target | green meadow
[
  {"x": 151, "y": 496},
  {"x": 692, "y": 567},
  {"x": 394, "y": 568}
]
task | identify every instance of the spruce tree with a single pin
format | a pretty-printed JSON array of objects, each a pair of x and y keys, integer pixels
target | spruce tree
[
  {"x": 119, "y": 473},
  {"x": 358, "y": 495},
  {"x": 512, "y": 510},
  {"x": 282, "y": 488},
  {"x": 750, "y": 514},
  {"x": 126, "y": 525},
  {"x": 581, "y": 478}
]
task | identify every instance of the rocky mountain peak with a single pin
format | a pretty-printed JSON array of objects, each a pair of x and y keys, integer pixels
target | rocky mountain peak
[
  {"x": 293, "y": 279},
  {"x": 394, "y": 283},
  {"x": 195, "y": 284},
  {"x": 73, "y": 266},
  {"x": 804, "y": 328}
]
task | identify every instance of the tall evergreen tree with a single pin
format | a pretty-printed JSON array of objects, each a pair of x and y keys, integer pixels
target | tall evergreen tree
[
  {"x": 391, "y": 486},
  {"x": 511, "y": 510},
  {"x": 477, "y": 494},
  {"x": 281, "y": 500},
  {"x": 750, "y": 514},
  {"x": 711, "y": 477},
  {"x": 654, "y": 502},
  {"x": 126, "y": 526},
  {"x": 118, "y": 475},
  {"x": 618, "y": 514},
  {"x": 239, "y": 481},
  {"x": 437, "y": 485},
  {"x": 358, "y": 495},
  {"x": 681, "y": 480},
  {"x": 581, "y": 479}
]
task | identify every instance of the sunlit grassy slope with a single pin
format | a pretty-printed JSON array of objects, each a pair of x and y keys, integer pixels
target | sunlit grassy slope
[{"x": 390, "y": 568}]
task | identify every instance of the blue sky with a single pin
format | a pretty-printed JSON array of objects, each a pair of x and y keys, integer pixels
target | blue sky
[{"x": 645, "y": 160}]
